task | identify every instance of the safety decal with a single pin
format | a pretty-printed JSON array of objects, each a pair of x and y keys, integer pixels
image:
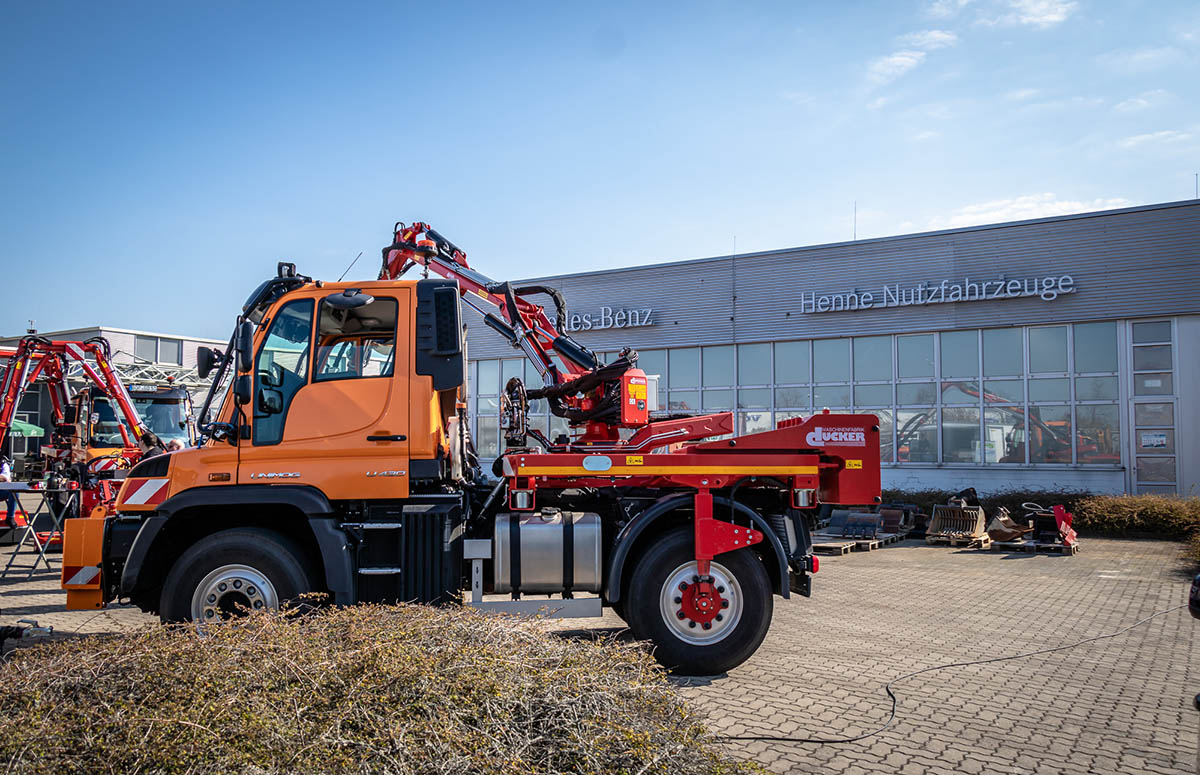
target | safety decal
[
  {"x": 633, "y": 460},
  {"x": 146, "y": 492},
  {"x": 853, "y": 464},
  {"x": 78, "y": 576}
]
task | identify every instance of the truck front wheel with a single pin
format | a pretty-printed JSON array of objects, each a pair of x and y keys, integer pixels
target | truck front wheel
[
  {"x": 232, "y": 572},
  {"x": 699, "y": 630}
]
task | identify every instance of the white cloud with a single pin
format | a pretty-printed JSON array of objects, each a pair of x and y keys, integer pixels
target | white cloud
[
  {"x": 1142, "y": 60},
  {"x": 1155, "y": 138},
  {"x": 1020, "y": 95},
  {"x": 943, "y": 9},
  {"x": 1033, "y": 13},
  {"x": 878, "y": 103},
  {"x": 1141, "y": 101},
  {"x": 797, "y": 98},
  {"x": 928, "y": 40},
  {"x": 1021, "y": 208},
  {"x": 928, "y": 134},
  {"x": 887, "y": 69},
  {"x": 1043, "y": 13}
]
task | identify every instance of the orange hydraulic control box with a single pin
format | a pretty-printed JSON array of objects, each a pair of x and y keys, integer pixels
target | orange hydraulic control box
[{"x": 635, "y": 405}]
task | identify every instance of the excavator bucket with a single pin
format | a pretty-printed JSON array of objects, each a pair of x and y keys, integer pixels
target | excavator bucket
[{"x": 1003, "y": 528}]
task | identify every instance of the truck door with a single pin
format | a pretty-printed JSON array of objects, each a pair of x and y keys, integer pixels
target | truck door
[{"x": 330, "y": 402}]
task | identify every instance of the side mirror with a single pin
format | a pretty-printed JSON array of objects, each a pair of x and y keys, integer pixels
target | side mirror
[
  {"x": 207, "y": 359},
  {"x": 270, "y": 401},
  {"x": 241, "y": 389},
  {"x": 245, "y": 347},
  {"x": 272, "y": 377}
]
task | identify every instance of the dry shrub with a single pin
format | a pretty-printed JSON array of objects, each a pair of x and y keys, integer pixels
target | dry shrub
[{"x": 396, "y": 689}]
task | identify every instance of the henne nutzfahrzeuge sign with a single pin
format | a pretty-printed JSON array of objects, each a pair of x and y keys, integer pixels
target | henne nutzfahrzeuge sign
[{"x": 1046, "y": 288}]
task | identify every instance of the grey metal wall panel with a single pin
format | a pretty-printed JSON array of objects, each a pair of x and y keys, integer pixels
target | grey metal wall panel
[{"x": 1126, "y": 263}]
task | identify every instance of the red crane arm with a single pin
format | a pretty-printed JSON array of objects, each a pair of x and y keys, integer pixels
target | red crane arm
[
  {"x": 36, "y": 357},
  {"x": 503, "y": 307}
]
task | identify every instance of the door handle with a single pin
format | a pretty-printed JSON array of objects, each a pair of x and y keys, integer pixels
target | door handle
[{"x": 397, "y": 437}]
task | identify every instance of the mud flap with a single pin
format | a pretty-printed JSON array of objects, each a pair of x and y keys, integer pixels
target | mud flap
[
  {"x": 83, "y": 553},
  {"x": 800, "y": 583}
]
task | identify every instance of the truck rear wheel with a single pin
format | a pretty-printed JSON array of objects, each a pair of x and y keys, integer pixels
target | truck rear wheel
[
  {"x": 229, "y": 573},
  {"x": 699, "y": 635}
]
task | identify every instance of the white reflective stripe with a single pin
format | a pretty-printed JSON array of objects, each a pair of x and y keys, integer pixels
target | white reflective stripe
[
  {"x": 84, "y": 576},
  {"x": 75, "y": 350},
  {"x": 146, "y": 491}
]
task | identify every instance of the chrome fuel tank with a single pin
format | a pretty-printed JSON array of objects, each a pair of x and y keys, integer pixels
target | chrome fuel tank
[{"x": 531, "y": 553}]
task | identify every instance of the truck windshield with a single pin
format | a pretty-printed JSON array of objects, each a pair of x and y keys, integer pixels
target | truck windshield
[
  {"x": 164, "y": 416},
  {"x": 106, "y": 428},
  {"x": 167, "y": 417}
]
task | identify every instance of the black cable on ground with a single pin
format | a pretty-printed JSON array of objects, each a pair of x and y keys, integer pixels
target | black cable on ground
[{"x": 892, "y": 694}]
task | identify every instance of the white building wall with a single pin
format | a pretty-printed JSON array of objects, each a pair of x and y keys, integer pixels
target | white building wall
[{"x": 1187, "y": 425}]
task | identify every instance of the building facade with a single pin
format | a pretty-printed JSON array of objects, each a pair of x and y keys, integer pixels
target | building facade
[{"x": 1058, "y": 353}]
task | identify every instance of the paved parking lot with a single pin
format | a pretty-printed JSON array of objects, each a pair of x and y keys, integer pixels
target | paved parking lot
[{"x": 1115, "y": 706}]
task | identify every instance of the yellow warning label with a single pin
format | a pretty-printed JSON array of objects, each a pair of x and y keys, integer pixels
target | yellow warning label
[
  {"x": 637, "y": 391},
  {"x": 633, "y": 460},
  {"x": 853, "y": 464}
]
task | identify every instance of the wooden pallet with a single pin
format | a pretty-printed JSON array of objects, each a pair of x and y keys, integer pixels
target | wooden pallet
[
  {"x": 978, "y": 542},
  {"x": 861, "y": 543},
  {"x": 836, "y": 548},
  {"x": 1034, "y": 546},
  {"x": 892, "y": 538}
]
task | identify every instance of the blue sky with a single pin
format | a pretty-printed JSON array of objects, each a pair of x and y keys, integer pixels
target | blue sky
[{"x": 157, "y": 159}]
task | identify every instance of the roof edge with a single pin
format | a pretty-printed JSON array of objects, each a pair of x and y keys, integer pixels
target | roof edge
[{"x": 875, "y": 240}]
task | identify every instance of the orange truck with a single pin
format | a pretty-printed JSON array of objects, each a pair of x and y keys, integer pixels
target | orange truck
[{"x": 339, "y": 461}]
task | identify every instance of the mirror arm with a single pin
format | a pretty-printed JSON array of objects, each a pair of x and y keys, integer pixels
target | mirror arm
[{"x": 204, "y": 426}]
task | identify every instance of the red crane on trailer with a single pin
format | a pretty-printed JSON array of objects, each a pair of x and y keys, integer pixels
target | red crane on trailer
[{"x": 606, "y": 397}]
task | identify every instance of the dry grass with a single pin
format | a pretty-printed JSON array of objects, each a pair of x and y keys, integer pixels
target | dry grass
[{"x": 371, "y": 689}]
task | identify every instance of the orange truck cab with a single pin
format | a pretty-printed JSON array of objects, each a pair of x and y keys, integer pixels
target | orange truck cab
[{"x": 336, "y": 459}]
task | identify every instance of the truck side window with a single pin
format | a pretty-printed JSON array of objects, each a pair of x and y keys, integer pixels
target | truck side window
[
  {"x": 355, "y": 343},
  {"x": 282, "y": 359}
]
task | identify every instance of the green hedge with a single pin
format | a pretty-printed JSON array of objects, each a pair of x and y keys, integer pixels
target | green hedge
[{"x": 1131, "y": 516}]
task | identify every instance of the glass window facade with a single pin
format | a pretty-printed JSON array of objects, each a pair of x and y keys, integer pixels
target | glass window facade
[{"x": 1028, "y": 396}]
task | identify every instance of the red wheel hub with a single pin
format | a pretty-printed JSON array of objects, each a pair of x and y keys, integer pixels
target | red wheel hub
[{"x": 701, "y": 602}]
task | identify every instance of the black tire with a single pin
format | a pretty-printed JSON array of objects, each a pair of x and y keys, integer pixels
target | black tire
[
  {"x": 272, "y": 556},
  {"x": 735, "y": 640}
]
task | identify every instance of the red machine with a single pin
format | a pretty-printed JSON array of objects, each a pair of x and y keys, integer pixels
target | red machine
[{"x": 37, "y": 358}]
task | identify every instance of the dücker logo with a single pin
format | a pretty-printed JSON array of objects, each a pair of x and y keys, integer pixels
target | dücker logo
[{"x": 844, "y": 437}]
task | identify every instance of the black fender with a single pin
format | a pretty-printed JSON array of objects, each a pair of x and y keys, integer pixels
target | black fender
[
  {"x": 332, "y": 542},
  {"x": 628, "y": 537}
]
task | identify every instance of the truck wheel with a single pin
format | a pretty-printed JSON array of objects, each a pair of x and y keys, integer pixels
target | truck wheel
[
  {"x": 662, "y": 609},
  {"x": 231, "y": 572}
]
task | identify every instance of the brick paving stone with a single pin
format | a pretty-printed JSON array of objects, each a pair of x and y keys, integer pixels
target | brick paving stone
[{"x": 1114, "y": 706}]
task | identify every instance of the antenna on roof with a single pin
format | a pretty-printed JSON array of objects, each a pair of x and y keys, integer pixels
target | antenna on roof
[
  {"x": 32, "y": 328},
  {"x": 352, "y": 263}
]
